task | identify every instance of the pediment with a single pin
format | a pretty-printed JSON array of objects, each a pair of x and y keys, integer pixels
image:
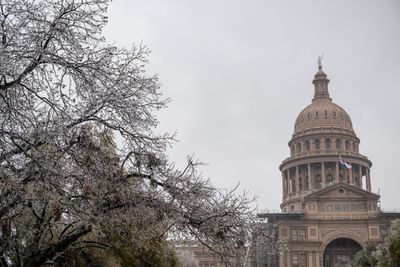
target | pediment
[{"x": 342, "y": 191}]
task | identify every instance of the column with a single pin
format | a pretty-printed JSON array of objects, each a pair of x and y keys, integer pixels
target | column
[
  {"x": 368, "y": 180},
  {"x": 359, "y": 175},
  {"x": 283, "y": 186},
  {"x": 310, "y": 259},
  {"x": 297, "y": 179},
  {"x": 289, "y": 181},
  {"x": 289, "y": 262},
  {"x": 323, "y": 174},
  {"x": 337, "y": 173},
  {"x": 287, "y": 186},
  {"x": 317, "y": 261},
  {"x": 309, "y": 176},
  {"x": 350, "y": 172}
]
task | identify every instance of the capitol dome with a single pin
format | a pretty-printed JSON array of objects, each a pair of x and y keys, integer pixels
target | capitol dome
[
  {"x": 324, "y": 151},
  {"x": 322, "y": 112}
]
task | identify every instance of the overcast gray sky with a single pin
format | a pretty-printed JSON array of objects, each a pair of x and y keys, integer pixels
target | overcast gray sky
[{"x": 239, "y": 72}]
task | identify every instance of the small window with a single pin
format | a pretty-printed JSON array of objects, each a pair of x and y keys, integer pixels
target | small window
[
  {"x": 313, "y": 232},
  {"x": 316, "y": 113},
  {"x": 334, "y": 114},
  {"x": 340, "y": 191},
  {"x": 293, "y": 234},
  {"x": 326, "y": 113},
  {"x": 302, "y": 234}
]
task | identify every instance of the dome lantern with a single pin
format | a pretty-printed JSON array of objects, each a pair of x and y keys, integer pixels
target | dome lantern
[{"x": 320, "y": 83}]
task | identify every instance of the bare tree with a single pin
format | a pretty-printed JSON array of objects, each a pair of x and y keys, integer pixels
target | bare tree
[
  {"x": 264, "y": 246},
  {"x": 65, "y": 95}
]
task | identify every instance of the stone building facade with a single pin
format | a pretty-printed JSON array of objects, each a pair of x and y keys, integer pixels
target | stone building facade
[{"x": 329, "y": 211}]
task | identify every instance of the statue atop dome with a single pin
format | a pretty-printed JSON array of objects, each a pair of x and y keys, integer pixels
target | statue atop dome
[{"x": 320, "y": 61}]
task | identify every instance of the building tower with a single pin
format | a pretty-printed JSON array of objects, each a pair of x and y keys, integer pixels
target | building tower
[{"x": 329, "y": 212}]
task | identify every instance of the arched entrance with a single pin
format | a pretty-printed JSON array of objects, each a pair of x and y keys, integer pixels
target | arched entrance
[{"x": 341, "y": 252}]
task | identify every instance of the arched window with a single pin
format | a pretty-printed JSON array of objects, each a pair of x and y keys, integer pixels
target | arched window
[
  {"x": 298, "y": 148},
  {"x": 307, "y": 144},
  {"x": 347, "y": 145},
  {"x": 316, "y": 142},
  {"x": 338, "y": 144},
  {"x": 328, "y": 143},
  {"x": 318, "y": 181},
  {"x": 329, "y": 179}
]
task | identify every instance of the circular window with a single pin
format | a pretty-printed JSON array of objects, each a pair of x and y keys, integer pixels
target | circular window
[{"x": 340, "y": 191}]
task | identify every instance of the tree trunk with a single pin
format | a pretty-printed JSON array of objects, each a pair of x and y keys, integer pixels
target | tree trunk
[{"x": 61, "y": 245}]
